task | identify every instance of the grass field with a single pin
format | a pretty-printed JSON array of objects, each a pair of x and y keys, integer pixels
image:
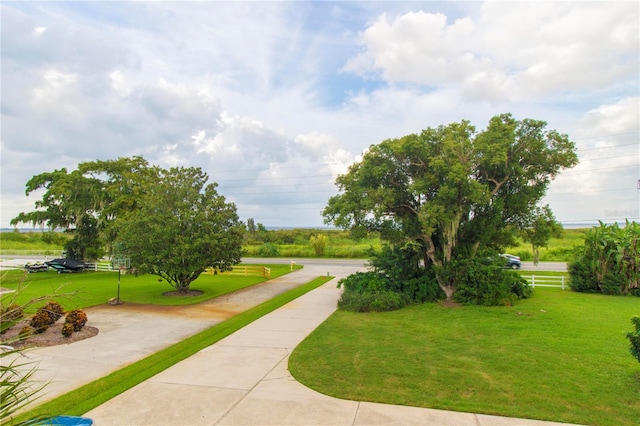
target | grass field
[
  {"x": 558, "y": 249},
  {"x": 559, "y": 356},
  {"x": 295, "y": 243},
  {"x": 96, "y": 288}
]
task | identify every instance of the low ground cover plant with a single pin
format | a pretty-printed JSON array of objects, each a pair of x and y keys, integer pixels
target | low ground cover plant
[{"x": 559, "y": 356}]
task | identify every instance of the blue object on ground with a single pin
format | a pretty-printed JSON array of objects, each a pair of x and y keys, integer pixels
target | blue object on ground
[{"x": 66, "y": 421}]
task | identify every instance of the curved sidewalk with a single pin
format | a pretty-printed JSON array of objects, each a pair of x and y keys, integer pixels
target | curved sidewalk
[{"x": 243, "y": 380}]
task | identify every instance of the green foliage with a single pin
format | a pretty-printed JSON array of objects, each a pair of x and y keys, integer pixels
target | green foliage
[
  {"x": 488, "y": 284},
  {"x": 378, "y": 301},
  {"x": 451, "y": 190},
  {"x": 634, "y": 338},
  {"x": 395, "y": 281},
  {"x": 609, "y": 262},
  {"x": 46, "y": 242},
  {"x": 181, "y": 227},
  {"x": 319, "y": 243},
  {"x": 86, "y": 201},
  {"x": 268, "y": 250}
]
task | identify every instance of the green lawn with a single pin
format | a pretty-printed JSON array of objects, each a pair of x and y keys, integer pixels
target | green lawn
[
  {"x": 559, "y": 356},
  {"x": 96, "y": 288}
]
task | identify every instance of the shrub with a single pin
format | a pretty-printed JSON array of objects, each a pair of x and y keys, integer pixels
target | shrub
[
  {"x": 610, "y": 259},
  {"x": 11, "y": 313},
  {"x": 77, "y": 319},
  {"x": 54, "y": 309},
  {"x": 268, "y": 250},
  {"x": 634, "y": 339},
  {"x": 25, "y": 332},
  {"x": 379, "y": 301},
  {"x": 46, "y": 316},
  {"x": 488, "y": 284},
  {"x": 40, "y": 321},
  {"x": 67, "y": 329},
  {"x": 363, "y": 282},
  {"x": 319, "y": 243},
  {"x": 423, "y": 289},
  {"x": 580, "y": 277}
]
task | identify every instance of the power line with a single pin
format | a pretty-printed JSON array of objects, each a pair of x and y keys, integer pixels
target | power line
[{"x": 605, "y": 136}]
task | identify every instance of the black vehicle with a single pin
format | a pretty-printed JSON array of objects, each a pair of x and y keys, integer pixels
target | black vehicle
[
  {"x": 513, "y": 262},
  {"x": 66, "y": 265}
]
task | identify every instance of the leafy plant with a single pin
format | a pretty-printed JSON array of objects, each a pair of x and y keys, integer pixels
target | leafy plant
[
  {"x": 77, "y": 318},
  {"x": 609, "y": 263},
  {"x": 634, "y": 338},
  {"x": 54, "y": 309},
  {"x": 488, "y": 284},
  {"x": 319, "y": 243},
  {"x": 40, "y": 321},
  {"x": 268, "y": 250},
  {"x": 67, "y": 329}
]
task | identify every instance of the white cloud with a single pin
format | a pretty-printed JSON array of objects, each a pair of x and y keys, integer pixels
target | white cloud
[
  {"x": 274, "y": 99},
  {"x": 511, "y": 50},
  {"x": 603, "y": 185}
]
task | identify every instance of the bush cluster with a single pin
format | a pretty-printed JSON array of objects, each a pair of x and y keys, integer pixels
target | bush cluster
[
  {"x": 488, "y": 284},
  {"x": 11, "y": 313},
  {"x": 395, "y": 281},
  {"x": 609, "y": 262},
  {"x": 74, "y": 321},
  {"x": 268, "y": 250},
  {"x": 46, "y": 316}
]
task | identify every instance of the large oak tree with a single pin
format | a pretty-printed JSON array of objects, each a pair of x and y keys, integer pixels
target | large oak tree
[
  {"x": 85, "y": 201},
  {"x": 452, "y": 190},
  {"x": 180, "y": 227}
]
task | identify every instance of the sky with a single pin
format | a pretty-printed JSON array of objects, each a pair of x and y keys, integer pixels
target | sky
[{"x": 274, "y": 99}]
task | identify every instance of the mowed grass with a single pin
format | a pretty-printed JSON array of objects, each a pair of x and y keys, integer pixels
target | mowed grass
[
  {"x": 559, "y": 356},
  {"x": 96, "y": 288}
]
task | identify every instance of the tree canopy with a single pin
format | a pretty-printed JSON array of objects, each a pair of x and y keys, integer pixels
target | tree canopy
[
  {"x": 180, "y": 227},
  {"x": 85, "y": 201},
  {"x": 452, "y": 190},
  {"x": 168, "y": 222}
]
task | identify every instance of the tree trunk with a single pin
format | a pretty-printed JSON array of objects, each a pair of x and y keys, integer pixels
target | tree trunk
[{"x": 449, "y": 290}]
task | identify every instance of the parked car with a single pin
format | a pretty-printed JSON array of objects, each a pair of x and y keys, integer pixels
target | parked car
[{"x": 512, "y": 262}]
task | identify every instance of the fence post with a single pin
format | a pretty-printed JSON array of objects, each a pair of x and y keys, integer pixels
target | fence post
[
  {"x": 563, "y": 282},
  {"x": 533, "y": 281}
]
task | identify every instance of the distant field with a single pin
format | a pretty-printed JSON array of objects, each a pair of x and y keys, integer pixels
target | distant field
[
  {"x": 293, "y": 243},
  {"x": 558, "y": 250}
]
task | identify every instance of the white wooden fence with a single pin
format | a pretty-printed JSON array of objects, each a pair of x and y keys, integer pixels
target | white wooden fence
[{"x": 546, "y": 281}]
